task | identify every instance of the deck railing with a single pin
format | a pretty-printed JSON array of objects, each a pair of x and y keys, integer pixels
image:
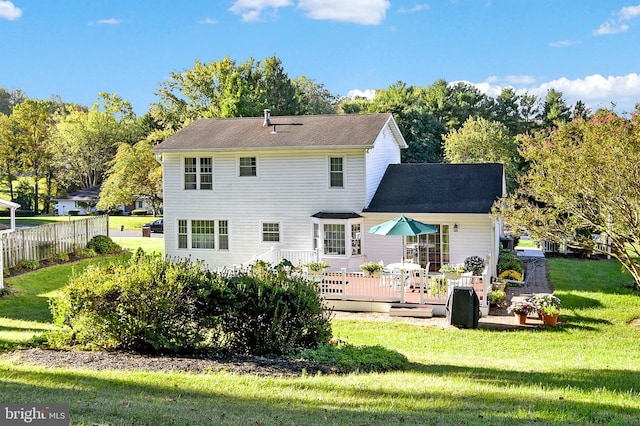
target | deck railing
[{"x": 417, "y": 287}]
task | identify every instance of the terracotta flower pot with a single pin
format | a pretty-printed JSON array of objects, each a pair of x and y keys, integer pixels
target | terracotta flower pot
[
  {"x": 550, "y": 320},
  {"x": 522, "y": 319}
]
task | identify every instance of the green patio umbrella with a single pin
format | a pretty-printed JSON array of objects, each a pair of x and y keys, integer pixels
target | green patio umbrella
[{"x": 403, "y": 226}]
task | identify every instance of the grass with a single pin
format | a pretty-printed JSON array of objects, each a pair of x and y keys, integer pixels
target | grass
[
  {"x": 149, "y": 245},
  {"x": 585, "y": 372},
  {"x": 130, "y": 223}
]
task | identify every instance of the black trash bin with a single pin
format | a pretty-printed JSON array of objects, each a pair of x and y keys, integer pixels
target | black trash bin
[{"x": 463, "y": 308}]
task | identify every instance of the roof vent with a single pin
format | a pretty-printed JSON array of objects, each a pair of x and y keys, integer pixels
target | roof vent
[{"x": 267, "y": 116}]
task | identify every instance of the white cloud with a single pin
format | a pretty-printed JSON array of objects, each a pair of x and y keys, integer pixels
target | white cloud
[
  {"x": 596, "y": 91},
  {"x": 110, "y": 21},
  {"x": 367, "y": 93},
  {"x": 614, "y": 26},
  {"x": 364, "y": 12},
  {"x": 9, "y": 11},
  {"x": 564, "y": 43},
  {"x": 208, "y": 21},
  {"x": 414, "y": 9},
  {"x": 611, "y": 27},
  {"x": 252, "y": 10},
  {"x": 629, "y": 12}
]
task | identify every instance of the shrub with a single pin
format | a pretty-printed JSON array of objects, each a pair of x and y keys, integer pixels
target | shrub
[
  {"x": 509, "y": 261},
  {"x": 139, "y": 212},
  {"x": 510, "y": 275},
  {"x": 498, "y": 298},
  {"x": 62, "y": 256},
  {"x": 271, "y": 311},
  {"x": 86, "y": 253},
  {"x": 102, "y": 244},
  {"x": 28, "y": 264},
  {"x": 145, "y": 305},
  {"x": 73, "y": 212},
  {"x": 153, "y": 305},
  {"x": 349, "y": 358}
]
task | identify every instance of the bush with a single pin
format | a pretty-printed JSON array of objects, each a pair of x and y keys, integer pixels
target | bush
[
  {"x": 62, "y": 256},
  {"x": 73, "y": 212},
  {"x": 28, "y": 264},
  {"x": 349, "y": 358},
  {"x": 510, "y": 274},
  {"x": 153, "y": 305},
  {"x": 102, "y": 244},
  {"x": 498, "y": 298},
  {"x": 509, "y": 261},
  {"x": 139, "y": 212}
]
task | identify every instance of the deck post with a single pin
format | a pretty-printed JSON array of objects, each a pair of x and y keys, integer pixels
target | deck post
[{"x": 344, "y": 283}]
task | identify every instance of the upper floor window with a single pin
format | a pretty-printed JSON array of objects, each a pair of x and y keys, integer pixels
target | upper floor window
[
  {"x": 248, "y": 166},
  {"x": 198, "y": 173},
  {"x": 336, "y": 172}
]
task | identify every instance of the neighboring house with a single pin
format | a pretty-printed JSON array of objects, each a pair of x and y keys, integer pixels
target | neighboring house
[
  {"x": 236, "y": 188},
  {"x": 83, "y": 201},
  {"x": 4, "y": 204}
]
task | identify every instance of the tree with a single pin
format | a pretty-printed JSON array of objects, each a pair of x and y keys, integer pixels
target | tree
[
  {"x": 484, "y": 141},
  {"x": 555, "y": 109},
  {"x": 134, "y": 173},
  {"x": 85, "y": 142},
  {"x": 9, "y": 99},
  {"x": 9, "y": 151},
  {"x": 314, "y": 97},
  {"x": 34, "y": 129},
  {"x": 583, "y": 180}
]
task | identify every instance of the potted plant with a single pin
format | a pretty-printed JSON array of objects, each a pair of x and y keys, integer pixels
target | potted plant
[
  {"x": 498, "y": 298},
  {"x": 474, "y": 264},
  {"x": 451, "y": 272},
  {"x": 372, "y": 269},
  {"x": 550, "y": 315},
  {"x": 522, "y": 309},
  {"x": 316, "y": 268}
]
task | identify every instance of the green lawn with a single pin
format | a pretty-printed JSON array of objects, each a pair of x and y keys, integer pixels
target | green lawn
[
  {"x": 130, "y": 223},
  {"x": 585, "y": 372}
]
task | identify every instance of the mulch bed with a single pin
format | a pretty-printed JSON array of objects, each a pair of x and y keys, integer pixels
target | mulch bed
[{"x": 96, "y": 360}]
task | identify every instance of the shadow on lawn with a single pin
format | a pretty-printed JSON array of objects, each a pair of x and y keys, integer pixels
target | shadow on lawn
[{"x": 159, "y": 398}]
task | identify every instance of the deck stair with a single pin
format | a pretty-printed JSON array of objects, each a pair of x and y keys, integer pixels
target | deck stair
[{"x": 417, "y": 312}]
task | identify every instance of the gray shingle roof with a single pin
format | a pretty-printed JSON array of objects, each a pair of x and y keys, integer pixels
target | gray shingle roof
[
  {"x": 88, "y": 194},
  {"x": 438, "y": 188},
  {"x": 303, "y": 131}
]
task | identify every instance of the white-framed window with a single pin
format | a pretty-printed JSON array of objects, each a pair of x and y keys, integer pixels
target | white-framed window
[
  {"x": 356, "y": 242},
  {"x": 338, "y": 237},
  {"x": 336, "y": 172},
  {"x": 198, "y": 173},
  {"x": 248, "y": 166},
  {"x": 183, "y": 236},
  {"x": 334, "y": 239},
  {"x": 223, "y": 235},
  {"x": 270, "y": 232},
  {"x": 203, "y": 234}
]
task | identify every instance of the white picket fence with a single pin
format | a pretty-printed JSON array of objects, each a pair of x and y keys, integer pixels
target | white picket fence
[{"x": 44, "y": 241}]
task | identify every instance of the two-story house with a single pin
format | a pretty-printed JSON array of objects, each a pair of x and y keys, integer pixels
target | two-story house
[{"x": 237, "y": 188}]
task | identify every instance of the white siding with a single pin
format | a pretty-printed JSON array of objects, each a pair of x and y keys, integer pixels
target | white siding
[
  {"x": 385, "y": 151},
  {"x": 290, "y": 187}
]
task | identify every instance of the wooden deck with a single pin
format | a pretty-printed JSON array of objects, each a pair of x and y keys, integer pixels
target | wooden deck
[{"x": 394, "y": 291}]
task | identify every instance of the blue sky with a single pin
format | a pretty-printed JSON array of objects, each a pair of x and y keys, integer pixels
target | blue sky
[{"x": 588, "y": 49}]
